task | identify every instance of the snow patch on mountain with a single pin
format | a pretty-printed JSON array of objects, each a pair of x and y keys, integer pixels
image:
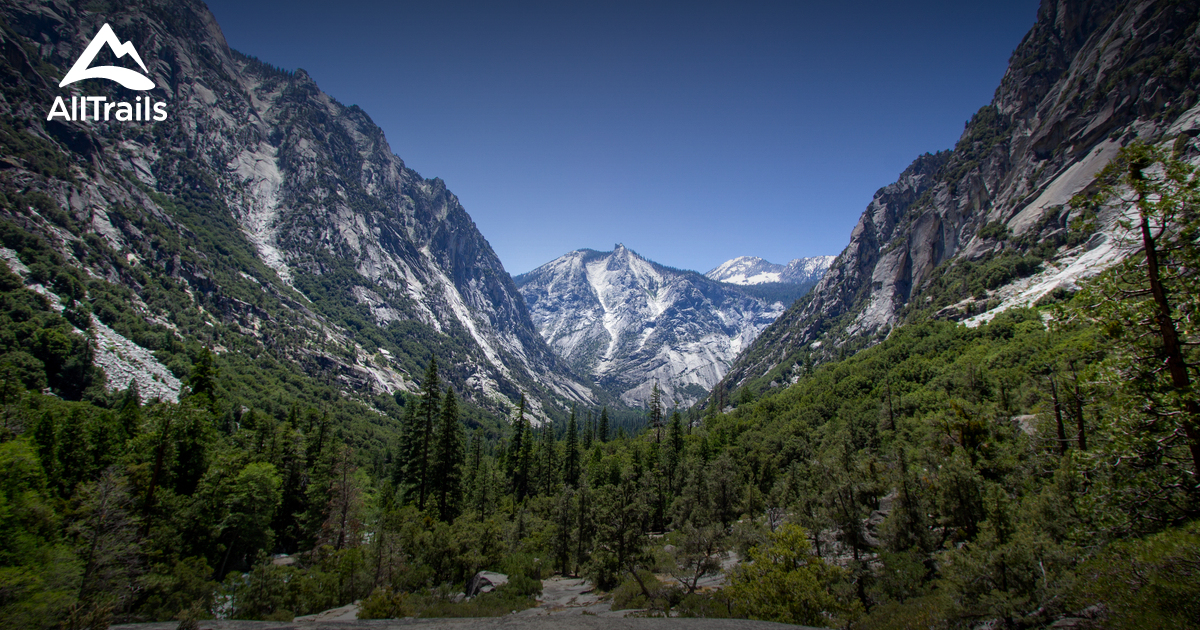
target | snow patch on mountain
[
  {"x": 750, "y": 270},
  {"x": 629, "y": 322}
]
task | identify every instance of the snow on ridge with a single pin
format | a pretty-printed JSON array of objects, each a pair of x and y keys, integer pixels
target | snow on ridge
[
  {"x": 629, "y": 322},
  {"x": 749, "y": 270}
]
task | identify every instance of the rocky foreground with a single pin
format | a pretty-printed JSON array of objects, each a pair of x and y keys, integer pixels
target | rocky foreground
[{"x": 582, "y": 622}]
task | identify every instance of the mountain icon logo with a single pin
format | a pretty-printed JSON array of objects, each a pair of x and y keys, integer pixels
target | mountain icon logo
[{"x": 129, "y": 78}]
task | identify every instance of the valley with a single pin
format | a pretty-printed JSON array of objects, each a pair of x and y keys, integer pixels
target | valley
[{"x": 254, "y": 367}]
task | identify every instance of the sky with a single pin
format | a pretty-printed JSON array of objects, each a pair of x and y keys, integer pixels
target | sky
[{"x": 691, "y": 132}]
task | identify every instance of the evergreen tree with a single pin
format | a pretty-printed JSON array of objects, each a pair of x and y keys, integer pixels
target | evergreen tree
[
  {"x": 571, "y": 457},
  {"x": 130, "y": 409},
  {"x": 518, "y": 454},
  {"x": 105, "y": 531},
  {"x": 474, "y": 463},
  {"x": 448, "y": 461},
  {"x": 674, "y": 452},
  {"x": 656, "y": 412},
  {"x": 430, "y": 405},
  {"x": 343, "y": 520},
  {"x": 548, "y": 461},
  {"x": 406, "y": 467},
  {"x": 45, "y": 437},
  {"x": 1150, "y": 304},
  {"x": 589, "y": 429},
  {"x": 203, "y": 379},
  {"x": 602, "y": 430}
]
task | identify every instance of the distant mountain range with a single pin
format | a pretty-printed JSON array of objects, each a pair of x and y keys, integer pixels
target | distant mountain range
[
  {"x": 630, "y": 323},
  {"x": 749, "y": 270}
]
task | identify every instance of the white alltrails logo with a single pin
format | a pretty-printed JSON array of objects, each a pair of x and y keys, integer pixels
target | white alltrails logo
[{"x": 101, "y": 107}]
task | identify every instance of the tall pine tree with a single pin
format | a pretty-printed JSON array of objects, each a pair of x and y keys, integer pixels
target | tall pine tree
[
  {"x": 656, "y": 412},
  {"x": 430, "y": 406},
  {"x": 448, "y": 460},
  {"x": 602, "y": 430},
  {"x": 548, "y": 461},
  {"x": 674, "y": 449},
  {"x": 571, "y": 457},
  {"x": 519, "y": 454}
]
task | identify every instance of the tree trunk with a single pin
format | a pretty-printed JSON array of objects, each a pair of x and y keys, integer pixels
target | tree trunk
[
  {"x": 1082, "y": 433},
  {"x": 1171, "y": 348},
  {"x": 1062, "y": 432}
]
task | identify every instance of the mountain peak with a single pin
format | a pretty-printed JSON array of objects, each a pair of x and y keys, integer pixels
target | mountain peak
[
  {"x": 630, "y": 322},
  {"x": 749, "y": 270}
]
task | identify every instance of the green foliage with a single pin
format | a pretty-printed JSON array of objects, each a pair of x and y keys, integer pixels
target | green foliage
[
  {"x": 448, "y": 461},
  {"x": 38, "y": 572},
  {"x": 1146, "y": 583},
  {"x": 957, "y": 280},
  {"x": 995, "y": 230},
  {"x": 1148, "y": 307},
  {"x": 784, "y": 582}
]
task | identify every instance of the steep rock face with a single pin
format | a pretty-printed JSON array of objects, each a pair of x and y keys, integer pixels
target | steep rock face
[
  {"x": 1088, "y": 78},
  {"x": 629, "y": 322},
  {"x": 362, "y": 267},
  {"x": 746, "y": 270}
]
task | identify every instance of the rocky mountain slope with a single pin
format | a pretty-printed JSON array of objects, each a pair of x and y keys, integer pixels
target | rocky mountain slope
[
  {"x": 629, "y": 322},
  {"x": 276, "y": 213},
  {"x": 988, "y": 224},
  {"x": 747, "y": 270}
]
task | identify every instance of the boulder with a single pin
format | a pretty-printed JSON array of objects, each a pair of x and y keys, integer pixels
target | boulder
[{"x": 485, "y": 582}]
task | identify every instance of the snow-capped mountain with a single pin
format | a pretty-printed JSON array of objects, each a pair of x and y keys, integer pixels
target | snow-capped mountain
[
  {"x": 630, "y": 322},
  {"x": 746, "y": 270}
]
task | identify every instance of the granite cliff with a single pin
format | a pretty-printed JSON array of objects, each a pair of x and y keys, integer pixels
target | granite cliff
[
  {"x": 279, "y": 214},
  {"x": 1088, "y": 78}
]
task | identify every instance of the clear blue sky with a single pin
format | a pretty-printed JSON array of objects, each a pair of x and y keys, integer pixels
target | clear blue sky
[{"x": 692, "y": 132}]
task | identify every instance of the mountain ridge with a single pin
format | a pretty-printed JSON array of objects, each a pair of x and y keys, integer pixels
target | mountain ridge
[
  {"x": 630, "y": 322},
  {"x": 367, "y": 269},
  {"x": 1074, "y": 92},
  {"x": 750, "y": 270}
]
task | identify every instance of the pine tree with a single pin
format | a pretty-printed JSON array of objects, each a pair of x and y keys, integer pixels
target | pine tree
[
  {"x": 1151, "y": 301},
  {"x": 548, "y": 461},
  {"x": 430, "y": 405},
  {"x": 589, "y": 429},
  {"x": 571, "y": 457},
  {"x": 474, "y": 462},
  {"x": 674, "y": 449},
  {"x": 130, "y": 409},
  {"x": 448, "y": 461},
  {"x": 203, "y": 379},
  {"x": 518, "y": 454},
  {"x": 602, "y": 431},
  {"x": 343, "y": 520},
  {"x": 564, "y": 529},
  {"x": 656, "y": 412},
  {"x": 406, "y": 467}
]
